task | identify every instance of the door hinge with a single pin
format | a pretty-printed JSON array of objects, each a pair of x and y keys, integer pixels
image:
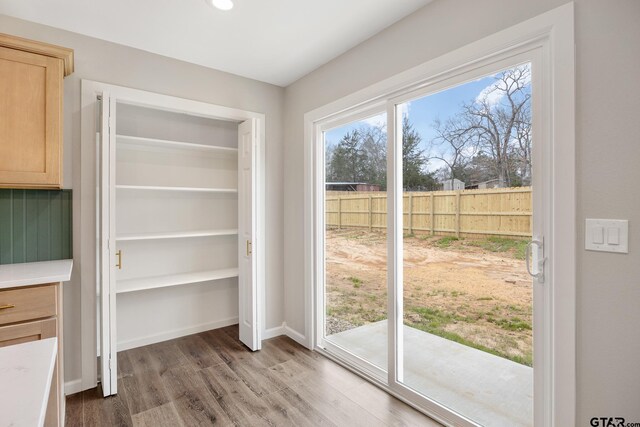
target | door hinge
[{"x": 249, "y": 248}]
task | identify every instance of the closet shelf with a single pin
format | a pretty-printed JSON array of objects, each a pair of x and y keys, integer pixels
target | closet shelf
[
  {"x": 163, "y": 143},
  {"x": 184, "y": 189},
  {"x": 176, "y": 235},
  {"x": 146, "y": 283}
]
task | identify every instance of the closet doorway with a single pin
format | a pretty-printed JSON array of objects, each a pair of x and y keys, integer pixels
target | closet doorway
[{"x": 179, "y": 214}]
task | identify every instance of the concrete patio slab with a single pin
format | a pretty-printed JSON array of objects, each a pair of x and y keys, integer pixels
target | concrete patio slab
[{"x": 490, "y": 390}]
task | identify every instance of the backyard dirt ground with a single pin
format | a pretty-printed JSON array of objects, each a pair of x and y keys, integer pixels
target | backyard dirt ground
[{"x": 473, "y": 291}]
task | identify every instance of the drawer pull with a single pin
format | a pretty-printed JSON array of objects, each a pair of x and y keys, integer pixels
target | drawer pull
[{"x": 6, "y": 306}]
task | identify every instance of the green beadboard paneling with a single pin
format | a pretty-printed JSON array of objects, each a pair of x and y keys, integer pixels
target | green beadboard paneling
[{"x": 35, "y": 225}]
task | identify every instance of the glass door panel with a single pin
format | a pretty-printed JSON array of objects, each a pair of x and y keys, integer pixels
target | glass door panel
[
  {"x": 355, "y": 242},
  {"x": 467, "y": 312}
]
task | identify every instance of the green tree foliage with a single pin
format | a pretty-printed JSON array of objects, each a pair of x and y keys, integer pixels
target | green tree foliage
[
  {"x": 414, "y": 162},
  {"x": 361, "y": 156},
  {"x": 348, "y": 160}
]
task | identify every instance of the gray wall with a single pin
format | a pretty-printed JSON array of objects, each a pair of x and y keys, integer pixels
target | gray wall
[
  {"x": 608, "y": 152},
  {"x": 111, "y": 63}
]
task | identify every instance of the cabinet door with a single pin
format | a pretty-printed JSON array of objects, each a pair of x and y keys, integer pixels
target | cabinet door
[{"x": 30, "y": 120}]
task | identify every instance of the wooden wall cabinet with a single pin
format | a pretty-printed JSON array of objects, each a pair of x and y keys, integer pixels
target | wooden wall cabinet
[
  {"x": 30, "y": 314},
  {"x": 31, "y": 105}
]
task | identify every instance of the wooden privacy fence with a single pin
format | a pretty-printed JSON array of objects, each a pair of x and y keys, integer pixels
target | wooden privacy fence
[{"x": 502, "y": 212}]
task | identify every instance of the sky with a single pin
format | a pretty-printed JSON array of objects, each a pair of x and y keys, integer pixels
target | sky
[{"x": 423, "y": 111}]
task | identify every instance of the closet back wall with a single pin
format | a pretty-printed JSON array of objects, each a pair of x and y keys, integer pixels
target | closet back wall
[
  {"x": 152, "y": 315},
  {"x": 111, "y": 63}
]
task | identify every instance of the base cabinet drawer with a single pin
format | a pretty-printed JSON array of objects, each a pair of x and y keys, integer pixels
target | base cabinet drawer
[
  {"x": 23, "y": 304},
  {"x": 26, "y": 332}
]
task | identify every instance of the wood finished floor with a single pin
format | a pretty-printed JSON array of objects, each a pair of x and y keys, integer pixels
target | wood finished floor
[{"x": 212, "y": 379}]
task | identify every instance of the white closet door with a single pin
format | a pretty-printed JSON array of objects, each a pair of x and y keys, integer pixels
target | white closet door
[
  {"x": 247, "y": 283},
  {"x": 108, "y": 359}
]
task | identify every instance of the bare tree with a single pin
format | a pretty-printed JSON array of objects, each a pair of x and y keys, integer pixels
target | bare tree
[
  {"x": 498, "y": 118},
  {"x": 374, "y": 145},
  {"x": 523, "y": 148},
  {"x": 496, "y": 126},
  {"x": 457, "y": 142}
]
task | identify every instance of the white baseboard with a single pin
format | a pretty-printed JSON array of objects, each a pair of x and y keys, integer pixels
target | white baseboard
[
  {"x": 72, "y": 387},
  {"x": 285, "y": 330},
  {"x": 274, "y": 332},
  {"x": 175, "y": 333},
  {"x": 296, "y": 336}
]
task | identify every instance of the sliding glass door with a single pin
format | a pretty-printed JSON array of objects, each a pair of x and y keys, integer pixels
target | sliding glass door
[
  {"x": 465, "y": 330},
  {"x": 355, "y": 241},
  {"x": 429, "y": 236}
]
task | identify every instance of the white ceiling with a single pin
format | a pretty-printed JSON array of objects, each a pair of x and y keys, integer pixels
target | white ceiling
[{"x": 276, "y": 41}]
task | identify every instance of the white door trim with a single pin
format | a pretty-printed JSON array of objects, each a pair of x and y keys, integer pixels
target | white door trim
[
  {"x": 85, "y": 200},
  {"x": 552, "y": 35}
]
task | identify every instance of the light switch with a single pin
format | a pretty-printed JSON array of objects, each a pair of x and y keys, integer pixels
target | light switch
[
  {"x": 598, "y": 235},
  {"x": 607, "y": 235}
]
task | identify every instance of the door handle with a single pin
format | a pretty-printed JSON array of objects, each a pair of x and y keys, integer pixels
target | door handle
[
  {"x": 119, "y": 263},
  {"x": 538, "y": 260}
]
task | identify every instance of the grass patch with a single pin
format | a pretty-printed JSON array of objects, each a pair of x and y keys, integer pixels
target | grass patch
[
  {"x": 446, "y": 241},
  {"x": 514, "y": 324},
  {"x": 338, "y": 311},
  {"x": 434, "y": 322},
  {"x": 515, "y": 308},
  {"x": 485, "y": 299},
  {"x": 500, "y": 244},
  {"x": 438, "y": 292},
  {"x": 435, "y": 318},
  {"x": 355, "y": 281}
]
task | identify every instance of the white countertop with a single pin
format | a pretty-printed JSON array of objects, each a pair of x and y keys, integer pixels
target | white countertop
[
  {"x": 26, "y": 371},
  {"x": 35, "y": 273}
]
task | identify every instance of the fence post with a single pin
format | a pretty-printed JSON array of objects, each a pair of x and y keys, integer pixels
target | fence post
[
  {"x": 433, "y": 215},
  {"x": 370, "y": 213},
  {"x": 339, "y": 213},
  {"x": 458, "y": 213},
  {"x": 410, "y": 213}
]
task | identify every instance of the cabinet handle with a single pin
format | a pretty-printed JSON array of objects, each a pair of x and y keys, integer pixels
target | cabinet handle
[
  {"x": 119, "y": 255},
  {"x": 6, "y": 306}
]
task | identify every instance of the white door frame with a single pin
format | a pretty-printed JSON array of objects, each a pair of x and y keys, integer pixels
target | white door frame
[
  {"x": 85, "y": 196},
  {"x": 547, "y": 39}
]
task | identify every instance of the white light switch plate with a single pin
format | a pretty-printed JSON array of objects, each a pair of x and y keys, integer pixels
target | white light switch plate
[{"x": 607, "y": 235}]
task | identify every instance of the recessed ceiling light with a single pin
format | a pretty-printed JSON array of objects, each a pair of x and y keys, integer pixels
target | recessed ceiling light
[{"x": 220, "y": 4}]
